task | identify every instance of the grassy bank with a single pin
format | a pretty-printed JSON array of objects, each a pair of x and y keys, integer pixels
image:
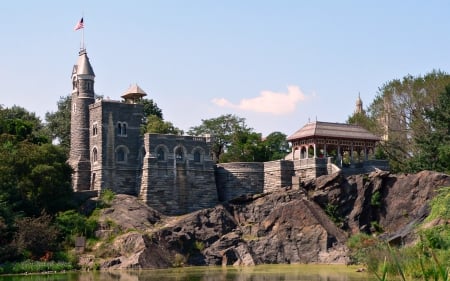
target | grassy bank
[
  {"x": 35, "y": 267},
  {"x": 428, "y": 259}
]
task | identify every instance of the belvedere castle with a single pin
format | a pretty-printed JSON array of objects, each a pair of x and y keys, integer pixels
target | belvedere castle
[{"x": 176, "y": 174}]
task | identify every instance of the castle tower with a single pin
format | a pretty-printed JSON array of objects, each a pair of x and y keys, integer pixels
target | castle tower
[
  {"x": 82, "y": 96},
  {"x": 359, "y": 105}
]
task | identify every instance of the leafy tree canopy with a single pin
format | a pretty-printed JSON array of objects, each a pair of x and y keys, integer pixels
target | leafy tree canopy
[
  {"x": 224, "y": 129},
  {"x": 58, "y": 123},
  {"x": 157, "y": 125},
  {"x": 397, "y": 112}
]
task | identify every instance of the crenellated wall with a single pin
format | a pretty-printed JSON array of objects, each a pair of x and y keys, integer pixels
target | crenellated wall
[{"x": 177, "y": 174}]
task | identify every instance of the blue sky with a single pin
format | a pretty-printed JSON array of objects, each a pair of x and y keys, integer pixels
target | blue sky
[{"x": 277, "y": 64}]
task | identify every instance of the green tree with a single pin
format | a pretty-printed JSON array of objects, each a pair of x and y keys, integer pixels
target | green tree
[
  {"x": 245, "y": 147},
  {"x": 398, "y": 111},
  {"x": 224, "y": 129},
  {"x": 35, "y": 237},
  {"x": 58, "y": 123},
  {"x": 434, "y": 147},
  {"x": 21, "y": 124},
  {"x": 157, "y": 125},
  {"x": 276, "y": 146},
  {"x": 151, "y": 108}
]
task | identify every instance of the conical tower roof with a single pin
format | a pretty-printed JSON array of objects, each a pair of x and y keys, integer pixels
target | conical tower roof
[{"x": 83, "y": 65}]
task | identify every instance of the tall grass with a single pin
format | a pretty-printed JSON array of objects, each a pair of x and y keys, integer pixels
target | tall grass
[{"x": 35, "y": 267}]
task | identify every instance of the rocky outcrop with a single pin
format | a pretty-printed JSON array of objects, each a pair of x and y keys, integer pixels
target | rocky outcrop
[
  {"x": 308, "y": 225},
  {"x": 379, "y": 201}
]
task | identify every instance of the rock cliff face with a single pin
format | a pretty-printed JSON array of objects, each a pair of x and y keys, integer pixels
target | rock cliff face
[{"x": 308, "y": 225}]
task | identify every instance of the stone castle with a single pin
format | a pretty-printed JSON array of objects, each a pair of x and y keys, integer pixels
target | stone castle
[{"x": 176, "y": 174}]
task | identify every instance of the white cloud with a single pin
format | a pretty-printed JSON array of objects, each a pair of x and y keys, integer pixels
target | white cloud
[{"x": 268, "y": 102}]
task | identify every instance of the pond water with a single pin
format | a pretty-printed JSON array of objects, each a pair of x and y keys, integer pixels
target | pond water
[{"x": 256, "y": 273}]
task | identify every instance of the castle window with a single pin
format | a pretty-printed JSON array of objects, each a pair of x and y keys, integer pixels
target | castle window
[
  {"x": 94, "y": 129},
  {"x": 94, "y": 155},
  {"x": 197, "y": 156},
  {"x": 179, "y": 155},
  {"x": 121, "y": 128},
  {"x": 122, "y": 153},
  {"x": 160, "y": 154}
]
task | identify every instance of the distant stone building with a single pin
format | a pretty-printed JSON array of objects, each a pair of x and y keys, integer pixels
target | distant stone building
[{"x": 176, "y": 174}]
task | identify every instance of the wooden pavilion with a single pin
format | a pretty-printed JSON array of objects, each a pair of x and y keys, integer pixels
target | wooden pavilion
[{"x": 345, "y": 143}]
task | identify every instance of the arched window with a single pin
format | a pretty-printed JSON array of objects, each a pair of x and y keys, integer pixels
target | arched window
[
  {"x": 94, "y": 155},
  {"x": 120, "y": 155},
  {"x": 121, "y": 128},
  {"x": 94, "y": 129},
  {"x": 197, "y": 156},
  {"x": 161, "y": 154},
  {"x": 179, "y": 154}
]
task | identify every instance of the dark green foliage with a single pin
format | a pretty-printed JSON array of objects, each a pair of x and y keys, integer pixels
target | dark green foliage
[
  {"x": 58, "y": 123},
  {"x": 375, "y": 200},
  {"x": 151, "y": 108},
  {"x": 233, "y": 141},
  {"x": 333, "y": 213},
  {"x": 434, "y": 147},
  {"x": 224, "y": 129},
  {"x": 35, "y": 237},
  {"x": 71, "y": 224},
  {"x": 159, "y": 126},
  {"x": 276, "y": 146},
  {"x": 34, "y": 180}
]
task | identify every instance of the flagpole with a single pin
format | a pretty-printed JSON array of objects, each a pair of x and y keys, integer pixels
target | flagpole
[
  {"x": 82, "y": 31},
  {"x": 82, "y": 38}
]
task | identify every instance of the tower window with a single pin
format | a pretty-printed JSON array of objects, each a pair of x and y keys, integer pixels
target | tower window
[
  {"x": 94, "y": 155},
  {"x": 94, "y": 129},
  {"x": 121, "y": 128}
]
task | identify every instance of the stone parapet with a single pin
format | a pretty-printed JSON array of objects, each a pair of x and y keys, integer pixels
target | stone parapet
[
  {"x": 175, "y": 180},
  {"x": 239, "y": 178},
  {"x": 278, "y": 175}
]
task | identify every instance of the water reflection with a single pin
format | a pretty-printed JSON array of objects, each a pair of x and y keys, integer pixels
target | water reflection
[{"x": 257, "y": 273}]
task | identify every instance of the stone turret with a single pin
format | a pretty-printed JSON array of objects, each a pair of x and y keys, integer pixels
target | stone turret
[
  {"x": 359, "y": 105},
  {"x": 82, "y": 96}
]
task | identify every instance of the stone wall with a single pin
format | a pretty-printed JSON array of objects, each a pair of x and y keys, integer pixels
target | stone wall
[
  {"x": 117, "y": 141},
  {"x": 239, "y": 178},
  {"x": 177, "y": 174},
  {"x": 310, "y": 168},
  {"x": 278, "y": 175}
]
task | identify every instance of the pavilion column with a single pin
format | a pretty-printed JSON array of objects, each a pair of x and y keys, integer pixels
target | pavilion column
[
  {"x": 351, "y": 155},
  {"x": 366, "y": 157},
  {"x": 325, "y": 154},
  {"x": 339, "y": 159},
  {"x": 315, "y": 152}
]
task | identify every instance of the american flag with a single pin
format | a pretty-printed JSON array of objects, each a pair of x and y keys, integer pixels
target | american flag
[{"x": 79, "y": 25}]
